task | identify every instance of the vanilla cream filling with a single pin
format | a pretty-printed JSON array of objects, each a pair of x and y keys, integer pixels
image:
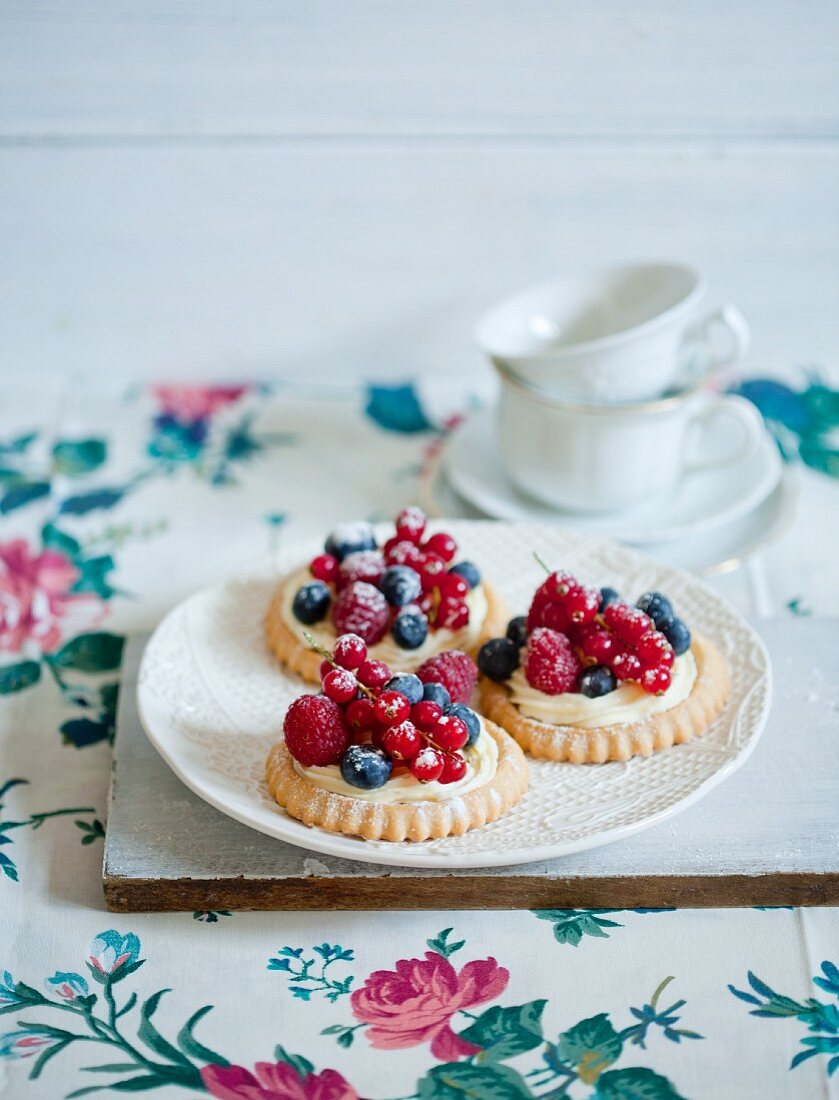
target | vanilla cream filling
[
  {"x": 627, "y": 703},
  {"x": 481, "y": 766},
  {"x": 387, "y": 650}
]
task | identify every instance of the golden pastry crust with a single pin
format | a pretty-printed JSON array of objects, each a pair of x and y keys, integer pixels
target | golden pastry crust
[
  {"x": 600, "y": 744},
  {"x": 430, "y": 820},
  {"x": 294, "y": 654}
]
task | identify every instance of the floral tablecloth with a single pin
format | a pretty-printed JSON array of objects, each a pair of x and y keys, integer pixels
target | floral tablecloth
[{"x": 115, "y": 504}]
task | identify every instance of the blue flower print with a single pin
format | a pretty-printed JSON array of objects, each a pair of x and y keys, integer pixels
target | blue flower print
[
  {"x": 67, "y": 985},
  {"x": 112, "y": 956}
]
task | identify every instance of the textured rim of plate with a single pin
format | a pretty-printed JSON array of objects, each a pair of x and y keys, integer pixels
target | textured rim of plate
[
  {"x": 758, "y": 492},
  {"x": 314, "y": 839}
]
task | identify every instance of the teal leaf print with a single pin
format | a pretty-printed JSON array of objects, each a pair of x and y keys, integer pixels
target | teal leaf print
[
  {"x": 634, "y": 1084},
  {"x": 210, "y": 916},
  {"x": 190, "y": 1045},
  {"x": 297, "y": 1062},
  {"x": 819, "y": 1018},
  {"x": 396, "y": 409},
  {"x": 33, "y": 821},
  {"x": 92, "y": 830},
  {"x": 590, "y": 1046},
  {"x": 441, "y": 944},
  {"x": 73, "y": 458},
  {"x": 570, "y": 925},
  {"x": 82, "y": 504},
  {"x": 52, "y": 538},
  {"x": 96, "y": 652},
  {"x": 307, "y": 976},
  {"x": 19, "y": 676},
  {"x": 460, "y": 1081},
  {"x": 22, "y": 493},
  {"x": 505, "y": 1032}
]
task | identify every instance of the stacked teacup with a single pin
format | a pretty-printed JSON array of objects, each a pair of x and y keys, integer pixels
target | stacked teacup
[{"x": 606, "y": 386}]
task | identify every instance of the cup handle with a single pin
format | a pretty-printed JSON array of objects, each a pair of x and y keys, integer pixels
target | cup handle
[
  {"x": 729, "y": 320},
  {"x": 750, "y": 429}
]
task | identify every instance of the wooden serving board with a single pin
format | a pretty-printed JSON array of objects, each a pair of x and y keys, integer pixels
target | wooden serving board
[{"x": 767, "y": 836}]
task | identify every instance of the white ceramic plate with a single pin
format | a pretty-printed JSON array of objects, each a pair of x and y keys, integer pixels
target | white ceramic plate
[
  {"x": 212, "y": 699},
  {"x": 708, "y": 553},
  {"x": 704, "y": 499}
]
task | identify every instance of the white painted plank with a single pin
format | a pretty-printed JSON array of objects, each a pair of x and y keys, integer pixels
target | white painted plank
[
  {"x": 369, "y": 260},
  {"x": 374, "y": 67}
]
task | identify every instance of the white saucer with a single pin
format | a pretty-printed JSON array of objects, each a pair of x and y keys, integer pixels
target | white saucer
[
  {"x": 704, "y": 499},
  {"x": 719, "y": 550}
]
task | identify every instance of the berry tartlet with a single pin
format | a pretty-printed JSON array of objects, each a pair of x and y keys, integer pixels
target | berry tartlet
[
  {"x": 407, "y": 599},
  {"x": 585, "y": 677},
  {"x": 393, "y": 756}
]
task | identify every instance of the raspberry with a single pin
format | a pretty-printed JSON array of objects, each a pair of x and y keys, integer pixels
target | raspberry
[
  {"x": 363, "y": 565},
  {"x": 410, "y": 524},
  {"x": 456, "y": 671},
  {"x": 654, "y": 651},
  {"x": 316, "y": 732},
  {"x": 629, "y": 623},
  {"x": 450, "y": 732},
  {"x": 550, "y": 663},
  {"x": 361, "y": 609},
  {"x": 656, "y": 681},
  {"x": 324, "y": 568},
  {"x": 452, "y": 613},
  {"x": 374, "y": 674},
  {"x": 626, "y": 666},
  {"x": 426, "y": 714},
  {"x": 340, "y": 685},
  {"x": 403, "y": 741},
  {"x": 399, "y": 551},
  {"x": 361, "y": 716},
  {"x": 427, "y": 765},
  {"x": 392, "y": 708},
  {"x": 442, "y": 545},
  {"x": 349, "y": 651},
  {"x": 454, "y": 769}
]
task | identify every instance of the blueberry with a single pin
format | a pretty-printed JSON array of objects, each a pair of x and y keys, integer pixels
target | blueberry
[
  {"x": 607, "y": 596},
  {"x": 311, "y": 602},
  {"x": 517, "y": 630},
  {"x": 473, "y": 722},
  {"x": 400, "y": 585},
  {"x": 498, "y": 658},
  {"x": 349, "y": 538},
  {"x": 597, "y": 680},
  {"x": 468, "y": 571},
  {"x": 676, "y": 633},
  {"x": 410, "y": 627},
  {"x": 407, "y": 684},
  {"x": 366, "y": 767},
  {"x": 436, "y": 693},
  {"x": 656, "y": 606}
]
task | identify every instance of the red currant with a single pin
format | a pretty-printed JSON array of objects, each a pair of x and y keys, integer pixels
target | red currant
[
  {"x": 402, "y": 742},
  {"x": 324, "y": 568},
  {"x": 582, "y": 603},
  {"x": 324, "y": 669},
  {"x": 431, "y": 572},
  {"x": 441, "y": 544},
  {"x": 426, "y": 714},
  {"x": 454, "y": 769},
  {"x": 427, "y": 765},
  {"x": 349, "y": 651},
  {"x": 626, "y": 666},
  {"x": 629, "y": 623},
  {"x": 452, "y": 613},
  {"x": 656, "y": 680},
  {"x": 410, "y": 524},
  {"x": 597, "y": 644},
  {"x": 374, "y": 674},
  {"x": 361, "y": 716},
  {"x": 450, "y": 732},
  {"x": 654, "y": 650},
  {"x": 455, "y": 586},
  {"x": 561, "y": 583},
  {"x": 340, "y": 685},
  {"x": 392, "y": 708},
  {"x": 401, "y": 551}
]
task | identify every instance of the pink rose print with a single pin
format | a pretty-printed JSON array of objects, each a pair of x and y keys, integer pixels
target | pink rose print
[
  {"x": 36, "y": 603},
  {"x": 190, "y": 403},
  {"x": 275, "y": 1081},
  {"x": 416, "y": 1002}
]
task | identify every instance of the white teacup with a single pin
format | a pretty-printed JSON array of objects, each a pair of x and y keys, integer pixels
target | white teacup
[
  {"x": 627, "y": 333},
  {"x": 607, "y": 458}
]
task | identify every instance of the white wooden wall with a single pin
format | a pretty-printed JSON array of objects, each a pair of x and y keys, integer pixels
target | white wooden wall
[{"x": 228, "y": 187}]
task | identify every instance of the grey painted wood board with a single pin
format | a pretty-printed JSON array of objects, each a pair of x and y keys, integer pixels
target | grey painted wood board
[{"x": 767, "y": 836}]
